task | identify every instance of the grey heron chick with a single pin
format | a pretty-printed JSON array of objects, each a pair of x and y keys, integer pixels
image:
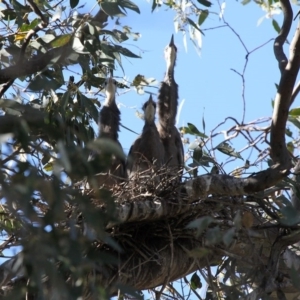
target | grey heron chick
[
  {"x": 167, "y": 111},
  {"x": 147, "y": 152}
]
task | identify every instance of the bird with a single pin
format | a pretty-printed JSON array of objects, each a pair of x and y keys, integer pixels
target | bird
[
  {"x": 109, "y": 126},
  {"x": 147, "y": 152},
  {"x": 167, "y": 111}
]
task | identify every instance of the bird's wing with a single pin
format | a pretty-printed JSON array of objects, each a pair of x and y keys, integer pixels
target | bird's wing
[{"x": 131, "y": 155}]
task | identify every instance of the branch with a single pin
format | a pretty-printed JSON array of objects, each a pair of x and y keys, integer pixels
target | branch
[
  {"x": 27, "y": 39},
  {"x": 39, "y": 62},
  {"x": 36, "y": 64},
  {"x": 282, "y": 36},
  {"x": 279, "y": 152}
]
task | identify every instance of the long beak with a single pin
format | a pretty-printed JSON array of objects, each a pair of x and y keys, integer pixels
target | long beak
[
  {"x": 172, "y": 41},
  {"x": 150, "y": 98}
]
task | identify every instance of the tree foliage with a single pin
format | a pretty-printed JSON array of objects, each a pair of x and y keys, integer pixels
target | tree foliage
[{"x": 76, "y": 240}]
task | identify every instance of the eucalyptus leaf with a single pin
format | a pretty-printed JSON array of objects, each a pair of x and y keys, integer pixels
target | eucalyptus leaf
[
  {"x": 205, "y": 3},
  {"x": 126, "y": 52},
  {"x": 193, "y": 130},
  {"x": 112, "y": 9},
  {"x": 276, "y": 25},
  {"x": 74, "y": 3},
  {"x": 225, "y": 148},
  {"x": 89, "y": 106},
  {"x": 129, "y": 4},
  {"x": 192, "y": 23},
  {"x": 200, "y": 224},
  {"x": 295, "y": 112},
  {"x": 202, "y": 17},
  {"x": 60, "y": 41}
]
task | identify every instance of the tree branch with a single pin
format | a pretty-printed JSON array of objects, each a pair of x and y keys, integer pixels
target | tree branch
[
  {"x": 279, "y": 152},
  {"x": 282, "y": 36}
]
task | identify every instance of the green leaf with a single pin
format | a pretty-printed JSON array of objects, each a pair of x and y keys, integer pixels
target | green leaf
[
  {"x": 228, "y": 236},
  {"x": 228, "y": 150},
  {"x": 27, "y": 27},
  {"x": 118, "y": 58},
  {"x": 196, "y": 282},
  {"x": 205, "y": 3},
  {"x": 60, "y": 41},
  {"x": 154, "y": 4},
  {"x": 193, "y": 130},
  {"x": 41, "y": 82},
  {"x": 192, "y": 23},
  {"x": 202, "y": 17},
  {"x": 295, "y": 112},
  {"x": 295, "y": 277},
  {"x": 106, "y": 145},
  {"x": 203, "y": 123},
  {"x": 8, "y": 14},
  {"x": 294, "y": 121},
  {"x": 89, "y": 106},
  {"x": 200, "y": 224},
  {"x": 244, "y": 2},
  {"x": 290, "y": 216},
  {"x": 129, "y": 4},
  {"x": 119, "y": 35},
  {"x": 213, "y": 235},
  {"x": 276, "y": 26},
  {"x": 112, "y": 9},
  {"x": 74, "y": 3},
  {"x": 65, "y": 100},
  {"x": 197, "y": 154},
  {"x": 126, "y": 52},
  {"x": 21, "y": 9}
]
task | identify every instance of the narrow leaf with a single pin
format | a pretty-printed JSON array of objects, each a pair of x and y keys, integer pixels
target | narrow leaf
[
  {"x": 205, "y": 3},
  {"x": 193, "y": 130},
  {"x": 89, "y": 106},
  {"x": 130, "y": 5},
  {"x": 202, "y": 17},
  {"x": 228, "y": 150},
  {"x": 112, "y": 9},
  {"x": 295, "y": 112},
  {"x": 60, "y": 41},
  {"x": 126, "y": 52},
  {"x": 192, "y": 23},
  {"x": 74, "y": 3},
  {"x": 276, "y": 26},
  {"x": 154, "y": 4}
]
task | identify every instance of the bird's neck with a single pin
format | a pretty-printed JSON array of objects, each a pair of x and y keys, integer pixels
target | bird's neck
[
  {"x": 110, "y": 99},
  {"x": 170, "y": 67}
]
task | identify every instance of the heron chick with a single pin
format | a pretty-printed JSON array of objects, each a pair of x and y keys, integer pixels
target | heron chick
[
  {"x": 109, "y": 126},
  {"x": 167, "y": 111},
  {"x": 147, "y": 152}
]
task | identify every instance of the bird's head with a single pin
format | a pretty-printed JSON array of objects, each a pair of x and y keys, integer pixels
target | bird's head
[
  {"x": 110, "y": 89},
  {"x": 149, "y": 109},
  {"x": 170, "y": 54}
]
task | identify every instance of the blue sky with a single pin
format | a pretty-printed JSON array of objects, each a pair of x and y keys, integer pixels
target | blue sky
[{"x": 206, "y": 82}]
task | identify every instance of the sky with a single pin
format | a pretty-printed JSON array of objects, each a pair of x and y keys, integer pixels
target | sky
[{"x": 207, "y": 84}]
